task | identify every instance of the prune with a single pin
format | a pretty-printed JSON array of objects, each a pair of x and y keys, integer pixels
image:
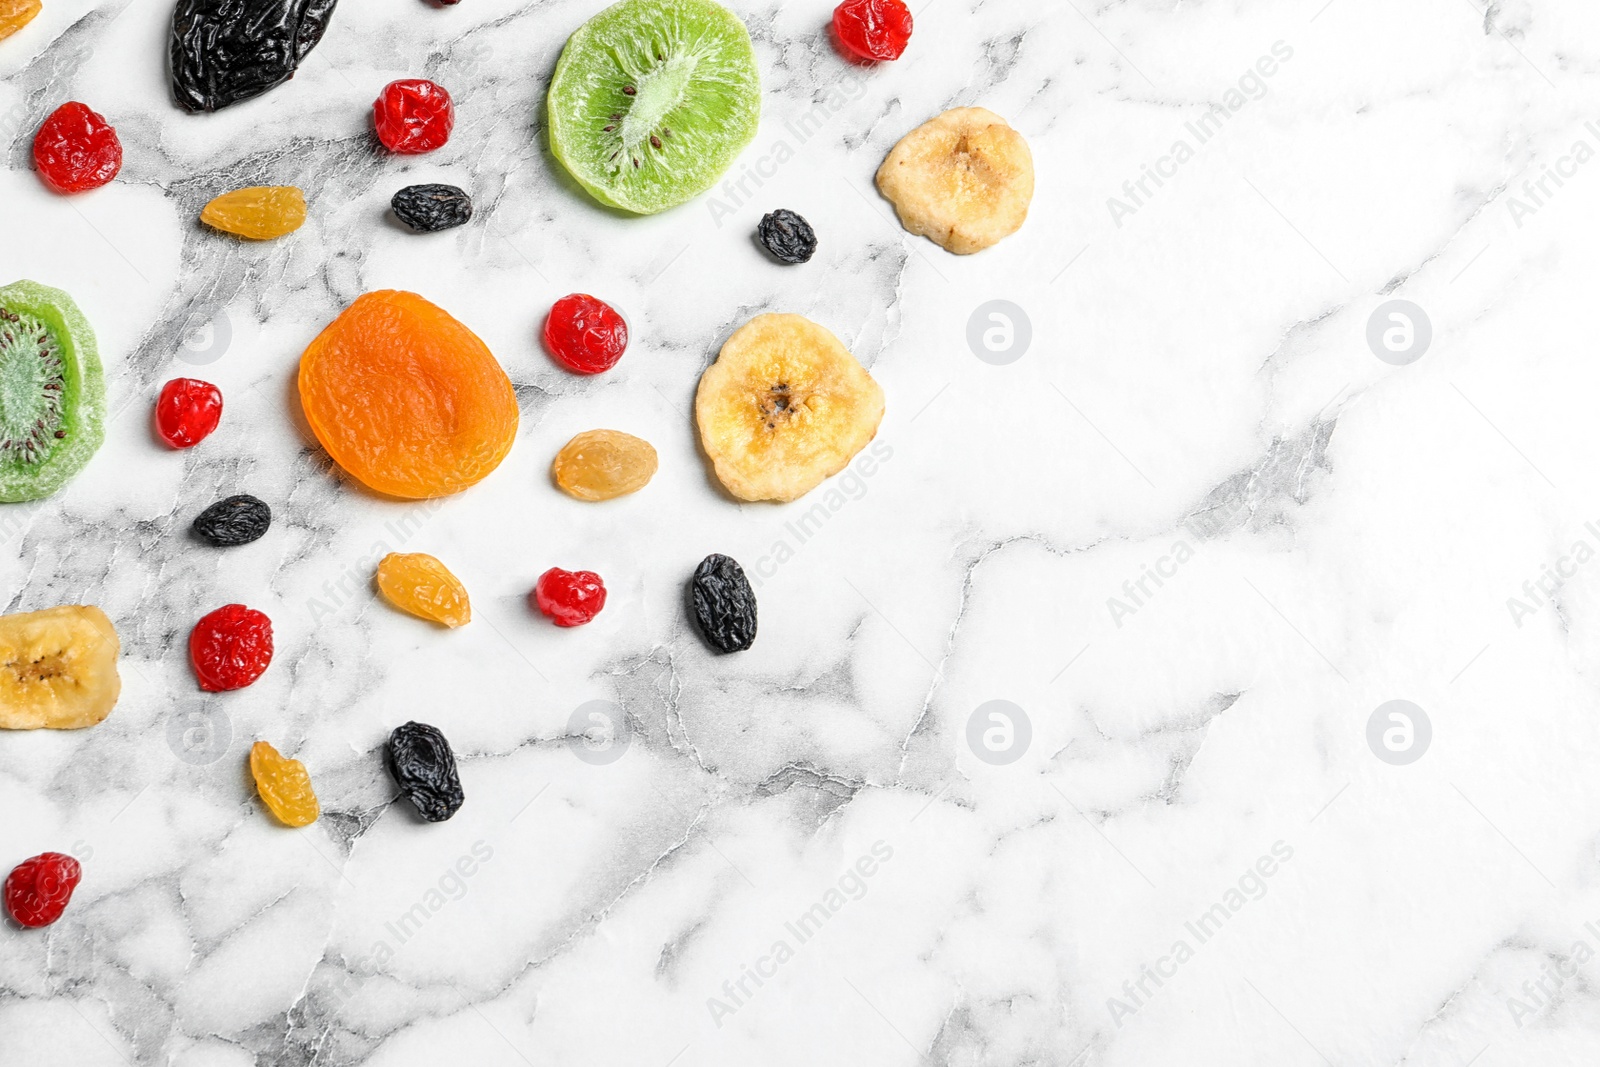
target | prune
[
  {"x": 238, "y": 520},
  {"x": 425, "y": 770},
  {"x": 230, "y": 648},
  {"x": 723, "y": 604},
  {"x": 225, "y": 51},
  {"x": 787, "y": 236},
  {"x": 38, "y": 890},
  {"x": 284, "y": 785},
  {"x": 431, "y": 208}
]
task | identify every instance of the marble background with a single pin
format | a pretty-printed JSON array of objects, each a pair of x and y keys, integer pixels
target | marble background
[{"x": 1194, "y": 854}]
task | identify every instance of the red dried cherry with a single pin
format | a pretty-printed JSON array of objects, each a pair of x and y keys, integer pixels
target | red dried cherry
[
  {"x": 76, "y": 150},
  {"x": 230, "y": 647},
  {"x": 873, "y": 29},
  {"x": 413, "y": 115},
  {"x": 188, "y": 411},
  {"x": 38, "y": 890},
  {"x": 585, "y": 334},
  {"x": 570, "y": 598}
]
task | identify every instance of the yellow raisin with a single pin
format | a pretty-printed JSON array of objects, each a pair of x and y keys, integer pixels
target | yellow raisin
[
  {"x": 284, "y": 785},
  {"x": 260, "y": 212},
  {"x": 415, "y": 582},
  {"x": 15, "y": 14},
  {"x": 601, "y": 464}
]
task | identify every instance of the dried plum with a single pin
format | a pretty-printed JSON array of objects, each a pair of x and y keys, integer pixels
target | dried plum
[
  {"x": 238, "y": 520},
  {"x": 723, "y": 604},
  {"x": 430, "y": 208},
  {"x": 225, "y": 51},
  {"x": 787, "y": 236},
  {"x": 425, "y": 770}
]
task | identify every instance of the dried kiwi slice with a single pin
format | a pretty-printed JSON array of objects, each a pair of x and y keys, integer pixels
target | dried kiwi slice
[
  {"x": 652, "y": 100},
  {"x": 52, "y": 391}
]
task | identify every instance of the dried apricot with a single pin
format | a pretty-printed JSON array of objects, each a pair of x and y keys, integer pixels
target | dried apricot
[
  {"x": 407, "y": 399},
  {"x": 417, "y": 583},
  {"x": 284, "y": 785},
  {"x": 601, "y": 464},
  {"x": 259, "y": 213}
]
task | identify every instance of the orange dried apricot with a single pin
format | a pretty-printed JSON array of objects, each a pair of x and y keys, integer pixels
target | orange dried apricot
[{"x": 407, "y": 399}]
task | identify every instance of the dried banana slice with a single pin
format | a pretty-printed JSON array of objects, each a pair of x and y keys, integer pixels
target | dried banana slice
[
  {"x": 963, "y": 180},
  {"x": 784, "y": 407},
  {"x": 58, "y": 668}
]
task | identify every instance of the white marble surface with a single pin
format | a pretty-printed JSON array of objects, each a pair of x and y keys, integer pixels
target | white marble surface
[{"x": 1351, "y": 532}]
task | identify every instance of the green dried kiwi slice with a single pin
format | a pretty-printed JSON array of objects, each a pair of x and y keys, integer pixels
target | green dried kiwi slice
[
  {"x": 52, "y": 391},
  {"x": 652, "y": 100}
]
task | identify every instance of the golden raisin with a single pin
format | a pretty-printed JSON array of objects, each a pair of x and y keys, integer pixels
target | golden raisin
[
  {"x": 415, "y": 582},
  {"x": 284, "y": 785},
  {"x": 260, "y": 212},
  {"x": 601, "y": 464},
  {"x": 15, "y": 14}
]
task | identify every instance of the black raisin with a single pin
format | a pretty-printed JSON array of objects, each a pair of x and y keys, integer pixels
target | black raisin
[
  {"x": 723, "y": 604},
  {"x": 425, "y": 770},
  {"x": 787, "y": 236},
  {"x": 429, "y": 208},
  {"x": 225, "y": 51},
  {"x": 238, "y": 520}
]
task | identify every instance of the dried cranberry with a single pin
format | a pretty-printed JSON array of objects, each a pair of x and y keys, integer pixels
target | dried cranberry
[
  {"x": 585, "y": 334},
  {"x": 76, "y": 150},
  {"x": 230, "y": 647},
  {"x": 570, "y": 598},
  {"x": 873, "y": 29},
  {"x": 188, "y": 411},
  {"x": 413, "y": 115},
  {"x": 38, "y": 890}
]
